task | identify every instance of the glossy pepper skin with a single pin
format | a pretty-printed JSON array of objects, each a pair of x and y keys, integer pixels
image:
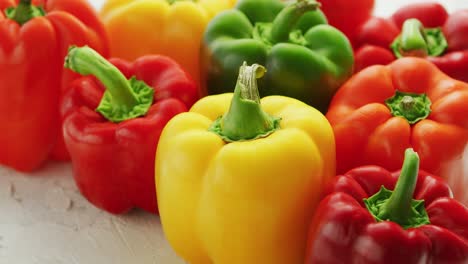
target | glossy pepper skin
[
  {"x": 376, "y": 36},
  {"x": 113, "y": 160},
  {"x": 383, "y": 110},
  {"x": 235, "y": 185},
  {"x": 345, "y": 231},
  {"x": 31, "y": 75},
  {"x": 168, "y": 27},
  {"x": 347, "y": 15},
  {"x": 306, "y": 58}
]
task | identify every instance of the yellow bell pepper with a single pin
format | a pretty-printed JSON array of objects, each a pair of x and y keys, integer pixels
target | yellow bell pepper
[
  {"x": 169, "y": 27},
  {"x": 238, "y": 182}
]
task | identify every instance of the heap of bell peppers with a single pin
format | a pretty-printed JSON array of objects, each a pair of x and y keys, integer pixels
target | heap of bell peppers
[
  {"x": 34, "y": 39},
  {"x": 419, "y": 30},
  {"x": 235, "y": 177},
  {"x": 112, "y": 149},
  {"x": 306, "y": 58},
  {"x": 383, "y": 110}
]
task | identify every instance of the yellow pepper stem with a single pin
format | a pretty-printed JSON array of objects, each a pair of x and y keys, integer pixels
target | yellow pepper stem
[{"x": 245, "y": 119}]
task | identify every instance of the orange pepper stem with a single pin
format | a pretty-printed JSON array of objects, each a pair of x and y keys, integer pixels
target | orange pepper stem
[{"x": 413, "y": 107}]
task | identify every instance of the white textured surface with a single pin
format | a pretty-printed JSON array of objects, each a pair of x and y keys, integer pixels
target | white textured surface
[{"x": 44, "y": 219}]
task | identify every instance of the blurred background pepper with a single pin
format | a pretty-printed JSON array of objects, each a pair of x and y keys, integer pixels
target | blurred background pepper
[
  {"x": 34, "y": 39},
  {"x": 423, "y": 30},
  {"x": 167, "y": 27}
]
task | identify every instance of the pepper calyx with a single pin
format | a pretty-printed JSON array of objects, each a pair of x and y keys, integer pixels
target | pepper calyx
[
  {"x": 411, "y": 106},
  {"x": 398, "y": 205},
  {"x": 124, "y": 98},
  {"x": 417, "y": 41}
]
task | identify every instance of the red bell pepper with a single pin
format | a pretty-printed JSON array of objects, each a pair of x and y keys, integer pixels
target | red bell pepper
[
  {"x": 422, "y": 29},
  {"x": 361, "y": 221},
  {"x": 112, "y": 126},
  {"x": 383, "y": 110},
  {"x": 347, "y": 15},
  {"x": 34, "y": 39}
]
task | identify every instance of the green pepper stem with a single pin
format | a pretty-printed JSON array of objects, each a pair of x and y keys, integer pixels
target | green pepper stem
[
  {"x": 87, "y": 61},
  {"x": 398, "y": 207},
  {"x": 417, "y": 41},
  {"x": 413, "y": 39},
  {"x": 24, "y": 12},
  {"x": 245, "y": 119},
  {"x": 287, "y": 19},
  {"x": 124, "y": 99}
]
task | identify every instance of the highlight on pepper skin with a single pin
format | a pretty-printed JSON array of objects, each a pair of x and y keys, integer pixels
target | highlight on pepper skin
[{"x": 233, "y": 145}]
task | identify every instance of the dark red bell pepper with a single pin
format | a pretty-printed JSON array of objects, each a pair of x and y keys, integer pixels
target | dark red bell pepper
[
  {"x": 421, "y": 29},
  {"x": 112, "y": 125},
  {"x": 361, "y": 221},
  {"x": 34, "y": 39}
]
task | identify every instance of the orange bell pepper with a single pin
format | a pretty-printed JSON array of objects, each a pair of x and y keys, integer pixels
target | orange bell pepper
[{"x": 383, "y": 110}]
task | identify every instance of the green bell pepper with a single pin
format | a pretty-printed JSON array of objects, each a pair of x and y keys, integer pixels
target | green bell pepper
[{"x": 306, "y": 58}]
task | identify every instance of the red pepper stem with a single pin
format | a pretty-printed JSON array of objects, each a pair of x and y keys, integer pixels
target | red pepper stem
[
  {"x": 413, "y": 39},
  {"x": 287, "y": 19},
  {"x": 398, "y": 207},
  {"x": 417, "y": 41},
  {"x": 24, "y": 12},
  {"x": 87, "y": 61}
]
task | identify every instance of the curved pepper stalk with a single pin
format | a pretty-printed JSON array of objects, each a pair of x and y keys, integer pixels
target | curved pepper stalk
[
  {"x": 286, "y": 21},
  {"x": 124, "y": 99},
  {"x": 398, "y": 205},
  {"x": 245, "y": 119}
]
